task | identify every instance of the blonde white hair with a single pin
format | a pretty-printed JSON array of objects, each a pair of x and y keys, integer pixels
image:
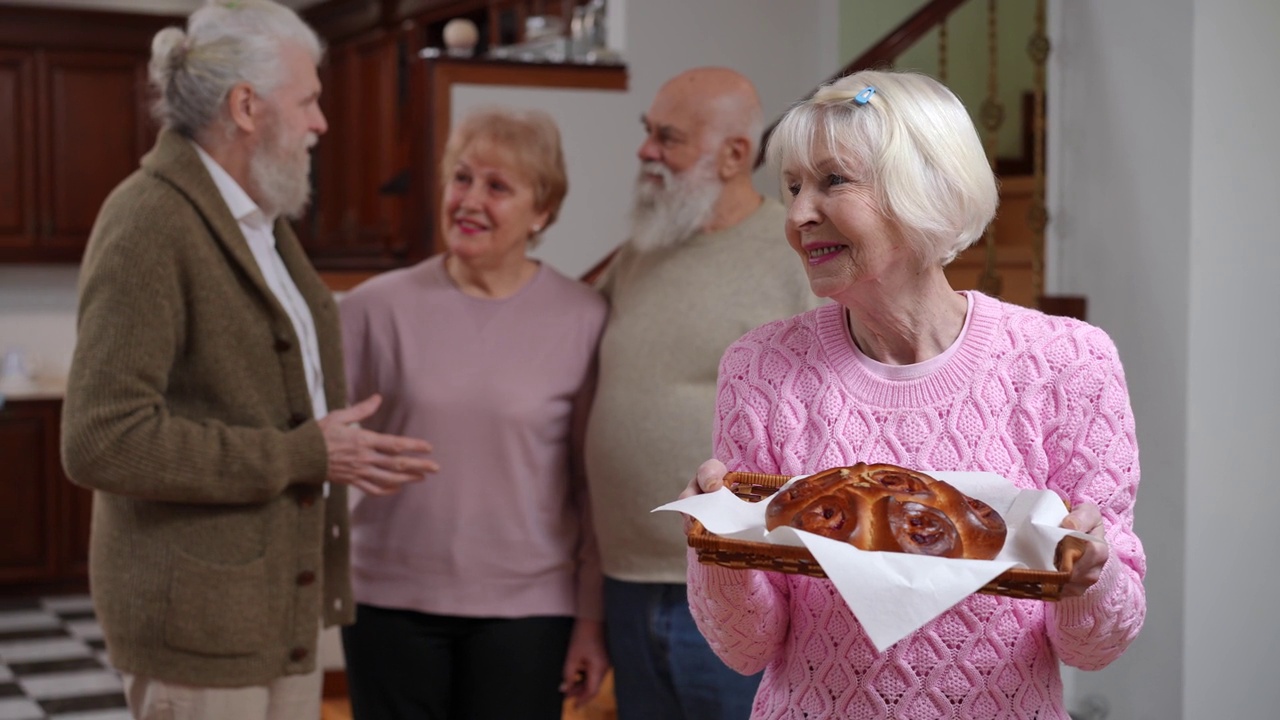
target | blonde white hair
[
  {"x": 227, "y": 42},
  {"x": 532, "y": 139},
  {"x": 912, "y": 141}
]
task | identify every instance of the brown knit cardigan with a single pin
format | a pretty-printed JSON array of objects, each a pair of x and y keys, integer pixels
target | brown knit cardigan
[{"x": 215, "y": 553}]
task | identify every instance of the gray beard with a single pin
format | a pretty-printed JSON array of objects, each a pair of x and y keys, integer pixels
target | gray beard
[
  {"x": 282, "y": 176},
  {"x": 666, "y": 216}
]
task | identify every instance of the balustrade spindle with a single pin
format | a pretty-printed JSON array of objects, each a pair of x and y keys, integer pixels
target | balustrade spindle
[{"x": 991, "y": 118}]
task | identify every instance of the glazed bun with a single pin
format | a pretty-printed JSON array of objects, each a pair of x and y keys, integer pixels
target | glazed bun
[{"x": 890, "y": 508}]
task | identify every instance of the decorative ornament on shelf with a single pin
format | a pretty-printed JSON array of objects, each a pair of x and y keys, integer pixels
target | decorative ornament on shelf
[
  {"x": 460, "y": 37},
  {"x": 589, "y": 33},
  {"x": 547, "y": 40}
]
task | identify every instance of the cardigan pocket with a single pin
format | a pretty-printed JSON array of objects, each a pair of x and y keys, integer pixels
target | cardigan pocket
[{"x": 217, "y": 609}]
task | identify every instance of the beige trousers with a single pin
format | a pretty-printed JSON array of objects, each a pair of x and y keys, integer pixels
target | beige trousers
[{"x": 292, "y": 697}]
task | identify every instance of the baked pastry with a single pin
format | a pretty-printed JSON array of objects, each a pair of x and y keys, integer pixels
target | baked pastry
[{"x": 886, "y": 507}]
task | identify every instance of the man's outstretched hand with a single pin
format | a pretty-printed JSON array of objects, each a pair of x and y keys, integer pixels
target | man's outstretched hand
[{"x": 375, "y": 463}]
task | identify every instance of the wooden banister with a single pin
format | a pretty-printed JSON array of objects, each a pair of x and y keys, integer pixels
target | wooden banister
[
  {"x": 885, "y": 52},
  {"x": 901, "y": 38}
]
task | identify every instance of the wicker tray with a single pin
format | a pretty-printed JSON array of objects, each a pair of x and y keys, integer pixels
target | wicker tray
[{"x": 741, "y": 554}]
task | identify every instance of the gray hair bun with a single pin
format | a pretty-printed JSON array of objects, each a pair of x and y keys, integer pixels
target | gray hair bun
[{"x": 168, "y": 55}]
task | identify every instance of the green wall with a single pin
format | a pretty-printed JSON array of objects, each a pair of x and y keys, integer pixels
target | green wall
[{"x": 865, "y": 22}]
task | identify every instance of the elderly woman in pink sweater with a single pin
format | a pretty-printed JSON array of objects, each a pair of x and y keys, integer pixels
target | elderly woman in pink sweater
[{"x": 886, "y": 182}]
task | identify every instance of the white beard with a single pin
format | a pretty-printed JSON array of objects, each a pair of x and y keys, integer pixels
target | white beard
[
  {"x": 667, "y": 215},
  {"x": 282, "y": 174}
]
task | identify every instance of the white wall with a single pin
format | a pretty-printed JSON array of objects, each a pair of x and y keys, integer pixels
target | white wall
[
  {"x": 1121, "y": 142},
  {"x": 1121, "y": 139},
  {"x": 1233, "y": 387},
  {"x": 37, "y": 316},
  {"x": 1165, "y": 216}
]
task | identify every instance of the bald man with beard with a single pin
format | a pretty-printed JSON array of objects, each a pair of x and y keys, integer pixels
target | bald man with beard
[{"x": 705, "y": 263}]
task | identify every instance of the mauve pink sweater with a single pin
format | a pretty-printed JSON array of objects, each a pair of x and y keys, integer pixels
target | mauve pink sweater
[
  {"x": 1040, "y": 400},
  {"x": 500, "y": 531}
]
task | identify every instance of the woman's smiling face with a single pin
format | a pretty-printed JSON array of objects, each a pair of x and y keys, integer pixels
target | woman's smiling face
[
  {"x": 835, "y": 224},
  {"x": 489, "y": 212}
]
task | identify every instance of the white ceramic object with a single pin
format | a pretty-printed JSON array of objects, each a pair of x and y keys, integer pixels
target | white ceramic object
[{"x": 460, "y": 37}]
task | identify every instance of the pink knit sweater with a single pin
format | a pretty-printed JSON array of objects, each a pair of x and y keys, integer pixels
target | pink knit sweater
[{"x": 1040, "y": 400}]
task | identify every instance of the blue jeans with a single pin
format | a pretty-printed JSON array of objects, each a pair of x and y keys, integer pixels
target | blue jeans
[{"x": 663, "y": 667}]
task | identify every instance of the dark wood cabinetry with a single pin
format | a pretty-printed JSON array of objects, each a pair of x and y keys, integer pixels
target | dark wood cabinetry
[
  {"x": 85, "y": 152},
  {"x": 361, "y": 165},
  {"x": 44, "y": 519},
  {"x": 17, "y": 152},
  {"x": 73, "y": 123},
  {"x": 74, "y": 120}
]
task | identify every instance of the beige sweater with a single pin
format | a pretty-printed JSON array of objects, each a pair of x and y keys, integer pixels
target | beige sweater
[
  {"x": 672, "y": 314},
  {"x": 214, "y": 550}
]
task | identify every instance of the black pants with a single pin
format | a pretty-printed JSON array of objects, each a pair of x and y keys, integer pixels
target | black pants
[{"x": 406, "y": 665}]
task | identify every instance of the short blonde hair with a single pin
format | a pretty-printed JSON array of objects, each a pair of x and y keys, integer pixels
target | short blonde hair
[
  {"x": 913, "y": 141},
  {"x": 533, "y": 140}
]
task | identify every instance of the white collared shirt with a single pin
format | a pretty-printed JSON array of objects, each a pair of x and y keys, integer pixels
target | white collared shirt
[{"x": 257, "y": 230}]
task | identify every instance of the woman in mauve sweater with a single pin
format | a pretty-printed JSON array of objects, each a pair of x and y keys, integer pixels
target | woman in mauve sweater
[
  {"x": 887, "y": 181},
  {"x": 479, "y": 593}
]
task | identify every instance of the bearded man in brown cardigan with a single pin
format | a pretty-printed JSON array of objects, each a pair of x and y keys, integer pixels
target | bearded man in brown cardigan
[{"x": 206, "y": 403}]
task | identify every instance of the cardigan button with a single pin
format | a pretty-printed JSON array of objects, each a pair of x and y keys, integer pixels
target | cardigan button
[
  {"x": 283, "y": 344},
  {"x": 306, "y": 499},
  {"x": 298, "y": 654},
  {"x": 306, "y": 577}
]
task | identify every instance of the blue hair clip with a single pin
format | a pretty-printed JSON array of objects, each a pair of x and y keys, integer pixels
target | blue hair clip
[{"x": 864, "y": 97}]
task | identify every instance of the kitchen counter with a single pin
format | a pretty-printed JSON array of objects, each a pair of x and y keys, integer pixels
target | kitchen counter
[{"x": 41, "y": 388}]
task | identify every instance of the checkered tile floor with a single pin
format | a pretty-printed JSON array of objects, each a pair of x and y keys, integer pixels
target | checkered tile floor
[{"x": 53, "y": 664}]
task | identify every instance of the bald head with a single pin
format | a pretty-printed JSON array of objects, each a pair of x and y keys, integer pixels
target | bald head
[{"x": 711, "y": 105}]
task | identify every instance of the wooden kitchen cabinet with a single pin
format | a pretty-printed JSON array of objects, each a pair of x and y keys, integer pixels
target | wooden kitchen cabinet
[
  {"x": 17, "y": 152},
  {"x": 84, "y": 150},
  {"x": 361, "y": 164},
  {"x": 44, "y": 519},
  {"x": 74, "y": 122}
]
